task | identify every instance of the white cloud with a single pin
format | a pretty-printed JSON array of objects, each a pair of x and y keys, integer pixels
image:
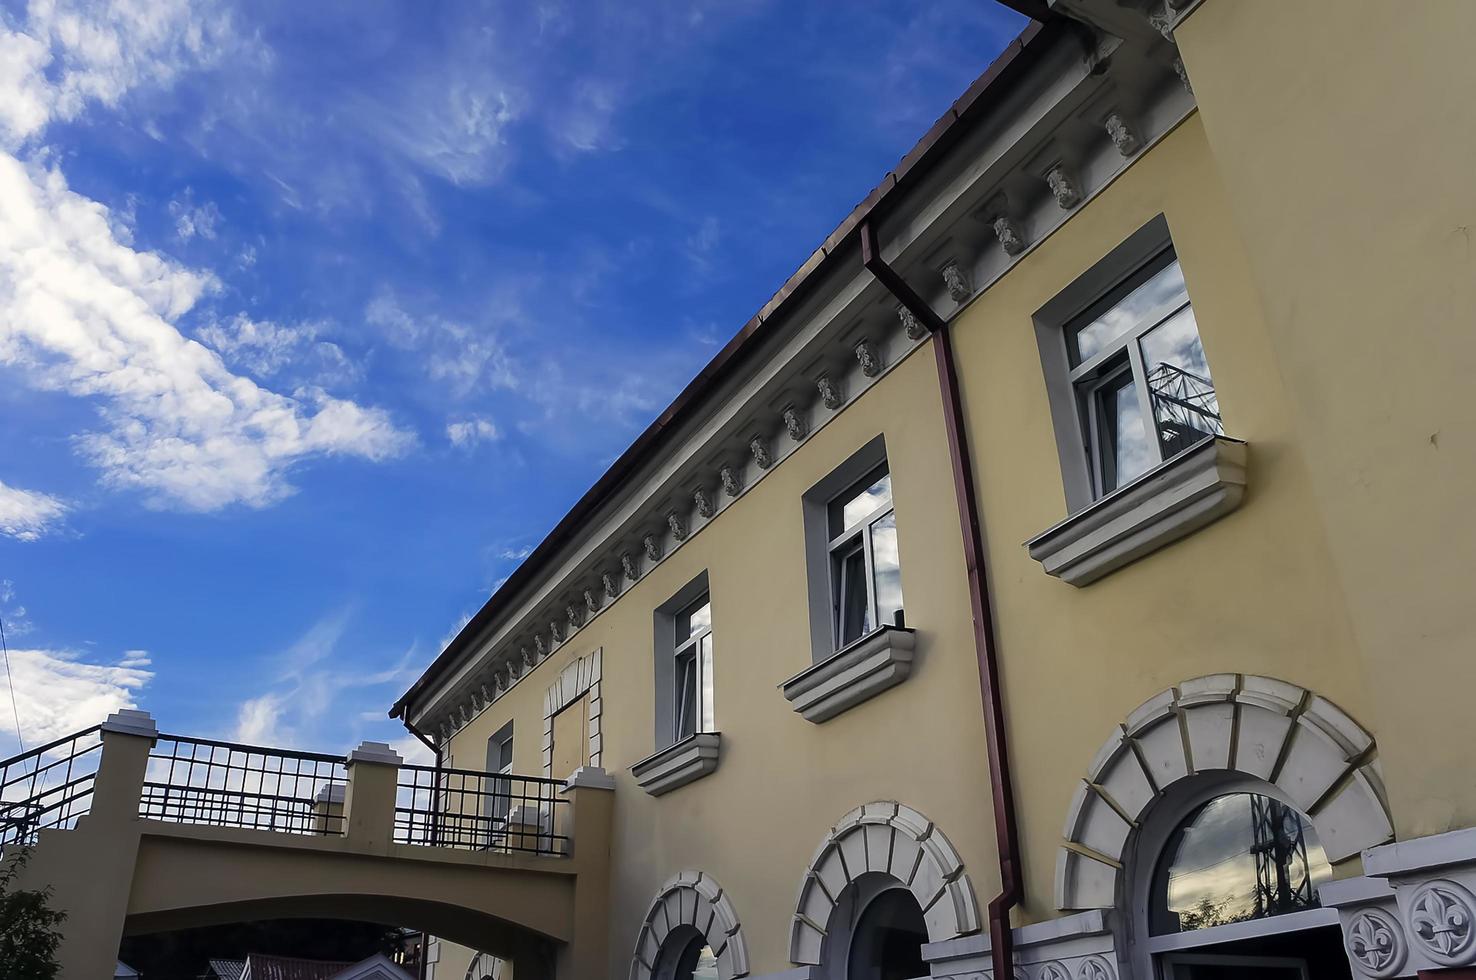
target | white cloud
[
  {"x": 258, "y": 720},
  {"x": 462, "y": 358},
  {"x": 465, "y": 433},
  {"x": 191, "y": 219},
  {"x": 83, "y": 313},
  {"x": 63, "y": 55},
  {"x": 58, "y": 692},
  {"x": 28, "y": 514},
  {"x": 515, "y": 554},
  {"x": 267, "y": 349}
]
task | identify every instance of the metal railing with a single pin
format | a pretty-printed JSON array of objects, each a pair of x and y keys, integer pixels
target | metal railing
[
  {"x": 480, "y": 811},
  {"x": 49, "y": 786},
  {"x": 225, "y": 784}
]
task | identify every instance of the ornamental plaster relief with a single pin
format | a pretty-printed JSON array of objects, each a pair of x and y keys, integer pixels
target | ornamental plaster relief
[{"x": 692, "y": 901}]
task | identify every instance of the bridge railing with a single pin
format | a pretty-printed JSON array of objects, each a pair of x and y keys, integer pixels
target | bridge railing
[
  {"x": 228, "y": 784},
  {"x": 48, "y": 786},
  {"x": 481, "y": 811}
]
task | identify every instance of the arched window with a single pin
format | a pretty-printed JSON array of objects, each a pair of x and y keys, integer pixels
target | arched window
[
  {"x": 686, "y": 955},
  {"x": 1238, "y": 857},
  {"x": 1226, "y": 873},
  {"x": 887, "y": 940}
]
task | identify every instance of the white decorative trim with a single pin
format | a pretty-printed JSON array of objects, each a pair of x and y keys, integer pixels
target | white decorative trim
[
  {"x": 131, "y": 721},
  {"x": 1063, "y": 187},
  {"x": 580, "y": 677},
  {"x": 891, "y": 839},
  {"x": 832, "y": 394},
  {"x": 378, "y": 753},
  {"x": 956, "y": 279},
  {"x": 1374, "y": 941},
  {"x": 1122, "y": 135},
  {"x": 1276, "y": 732},
  {"x": 877, "y": 661},
  {"x": 630, "y": 566},
  {"x": 795, "y": 424},
  {"x": 1441, "y": 917},
  {"x": 691, "y": 900},
  {"x": 759, "y": 447},
  {"x": 678, "y": 764},
  {"x": 731, "y": 478},
  {"x": 1175, "y": 498},
  {"x": 868, "y": 358},
  {"x": 1079, "y": 947}
]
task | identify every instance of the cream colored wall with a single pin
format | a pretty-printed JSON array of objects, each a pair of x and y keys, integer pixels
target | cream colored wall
[
  {"x": 1258, "y": 592},
  {"x": 783, "y": 782},
  {"x": 1345, "y": 133},
  {"x": 1253, "y": 593}
]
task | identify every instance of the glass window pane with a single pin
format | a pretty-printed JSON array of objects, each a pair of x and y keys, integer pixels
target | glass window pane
[
  {"x": 887, "y": 570},
  {"x": 846, "y": 513},
  {"x": 686, "y": 695},
  {"x": 505, "y": 755},
  {"x": 1162, "y": 292},
  {"x": 708, "y": 725},
  {"x": 694, "y": 619},
  {"x": 853, "y": 618},
  {"x": 1123, "y": 447},
  {"x": 1239, "y": 857},
  {"x": 1185, "y": 409}
]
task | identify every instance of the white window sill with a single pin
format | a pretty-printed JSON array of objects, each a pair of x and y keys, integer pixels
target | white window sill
[
  {"x": 678, "y": 764},
  {"x": 879, "y": 660},
  {"x": 1179, "y": 496}
]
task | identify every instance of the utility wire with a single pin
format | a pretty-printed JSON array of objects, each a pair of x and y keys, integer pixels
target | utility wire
[{"x": 10, "y": 682}]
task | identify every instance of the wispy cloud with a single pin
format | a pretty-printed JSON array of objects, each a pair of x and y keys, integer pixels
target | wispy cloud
[
  {"x": 467, "y": 433},
  {"x": 191, "y": 219},
  {"x": 28, "y": 514},
  {"x": 268, "y": 349},
  {"x": 60, "y": 691},
  {"x": 84, "y": 313}
]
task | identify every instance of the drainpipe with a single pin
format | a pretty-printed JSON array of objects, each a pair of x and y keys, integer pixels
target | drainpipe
[
  {"x": 422, "y": 969},
  {"x": 1006, "y": 831}
]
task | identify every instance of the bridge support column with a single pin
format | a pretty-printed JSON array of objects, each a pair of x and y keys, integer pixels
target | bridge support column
[
  {"x": 90, "y": 869},
  {"x": 592, "y": 798},
  {"x": 369, "y": 804}
]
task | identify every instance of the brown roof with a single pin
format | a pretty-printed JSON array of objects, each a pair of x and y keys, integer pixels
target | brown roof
[
  {"x": 943, "y": 134},
  {"x": 260, "y": 967}
]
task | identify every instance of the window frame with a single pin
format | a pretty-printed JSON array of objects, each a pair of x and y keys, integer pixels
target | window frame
[
  {"x": 701, "y": 656},
  {"x": 664, "y": 650},
  {"x": 843, "y": 543},
  {"x": 500, "y": 805},
  {"x": 1104, "y": 282}
]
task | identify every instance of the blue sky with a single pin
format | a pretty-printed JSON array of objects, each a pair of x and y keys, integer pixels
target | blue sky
[{"x": 315, "y": 317}]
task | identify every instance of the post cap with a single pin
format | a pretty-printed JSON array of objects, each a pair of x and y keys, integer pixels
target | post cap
[
  {"x": 330, "y": 794},
  {"x": 131, "y": 721},
  {"x": 589, "y": 777},
  {"x": 378, "y": 752}
]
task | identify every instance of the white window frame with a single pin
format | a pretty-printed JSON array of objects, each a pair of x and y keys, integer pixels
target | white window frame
[
  {"x": 664, "y": 658},
  {"x": 692, "y": 646},
  {"x": 501, "y": 806},
  {"x": 844, "y": 543},
  {"x": 1075, "y": 442}
]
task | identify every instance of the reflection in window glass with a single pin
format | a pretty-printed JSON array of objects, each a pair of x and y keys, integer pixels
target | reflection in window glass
[
  {"x": 1239, "y": 857},
  {"x": 1185, "y": 409},
  {"x": 865, "y": 503},
  {"x": 853, "y": 613},
  {"x": 1163, "y": 292},
  {"x": 1141, "y": 376},
  {"x": 886, "y": 569},
  {"x": 692, "y": 669}
]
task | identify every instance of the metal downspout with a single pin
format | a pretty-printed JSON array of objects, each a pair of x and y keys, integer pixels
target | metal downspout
[{"x": 1006, "y": 831}]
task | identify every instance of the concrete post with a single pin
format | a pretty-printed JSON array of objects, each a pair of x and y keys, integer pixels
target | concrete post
[
  {"x": 369, "y": 805},
  {"x": 592, "y": 799},
  {"x": 90, "y": 868}
]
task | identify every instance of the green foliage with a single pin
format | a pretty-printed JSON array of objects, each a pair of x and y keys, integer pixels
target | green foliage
[{"x": 29, "y": 933}]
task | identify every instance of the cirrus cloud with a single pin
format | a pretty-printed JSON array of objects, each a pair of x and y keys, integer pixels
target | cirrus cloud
[{"x": 26, "y": 515}]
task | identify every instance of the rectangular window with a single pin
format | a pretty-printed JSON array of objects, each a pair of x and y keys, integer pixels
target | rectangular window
[
  {"x": 865, "y": 575},
  {"x": 1142, "y": 385},
  {"x": 500, "y": 761},
  {"x": 692, "y": 669}
]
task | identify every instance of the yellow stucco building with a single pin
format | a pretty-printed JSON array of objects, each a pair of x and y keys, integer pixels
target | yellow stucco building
[
  {"x": 1205, "y": 270},
  {"x": 1068, "y": 568}
]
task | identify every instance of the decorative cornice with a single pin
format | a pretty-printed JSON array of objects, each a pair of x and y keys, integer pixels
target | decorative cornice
[
  {"x": 630, "y": 566},
  {"x": 956, "y": 278},
  {"x": 677, "y": 525},
  {"x": 591, "y": 601},
  {"x": 832, "y": 395},
  {"x": 911, "y": 325},
  {"x": 1123, "y": 136},
  {"x": 759, "y": 447},
  {"x": 732, "y": 480},
  {"x": 612, "y": 584},
  {"x": 1008, "y": 235},
  {"x": 704, "y": 503},
  {"x": 555, "y": 633},
  {"x": 794, "y": 423},
  {"x": 867, "y": 357},
  {"x": 1183, "y": 74},
  {"x": 575, "y": 617},
  {"x": 652, "y": 546},
  {"x": 1063, "y": 187}
]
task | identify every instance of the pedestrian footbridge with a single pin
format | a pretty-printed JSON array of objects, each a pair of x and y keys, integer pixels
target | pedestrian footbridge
[{"x": 139, "y": 832}]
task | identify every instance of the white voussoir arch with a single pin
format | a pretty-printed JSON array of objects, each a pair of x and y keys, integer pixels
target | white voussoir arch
[
  {"x": 1319, "y": 758},
  {"x": 695, "y": 899},
  {"x": 894, "y": 840}
]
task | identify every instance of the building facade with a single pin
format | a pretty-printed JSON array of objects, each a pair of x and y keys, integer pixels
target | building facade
[{"x": 1203, "y": 273}]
